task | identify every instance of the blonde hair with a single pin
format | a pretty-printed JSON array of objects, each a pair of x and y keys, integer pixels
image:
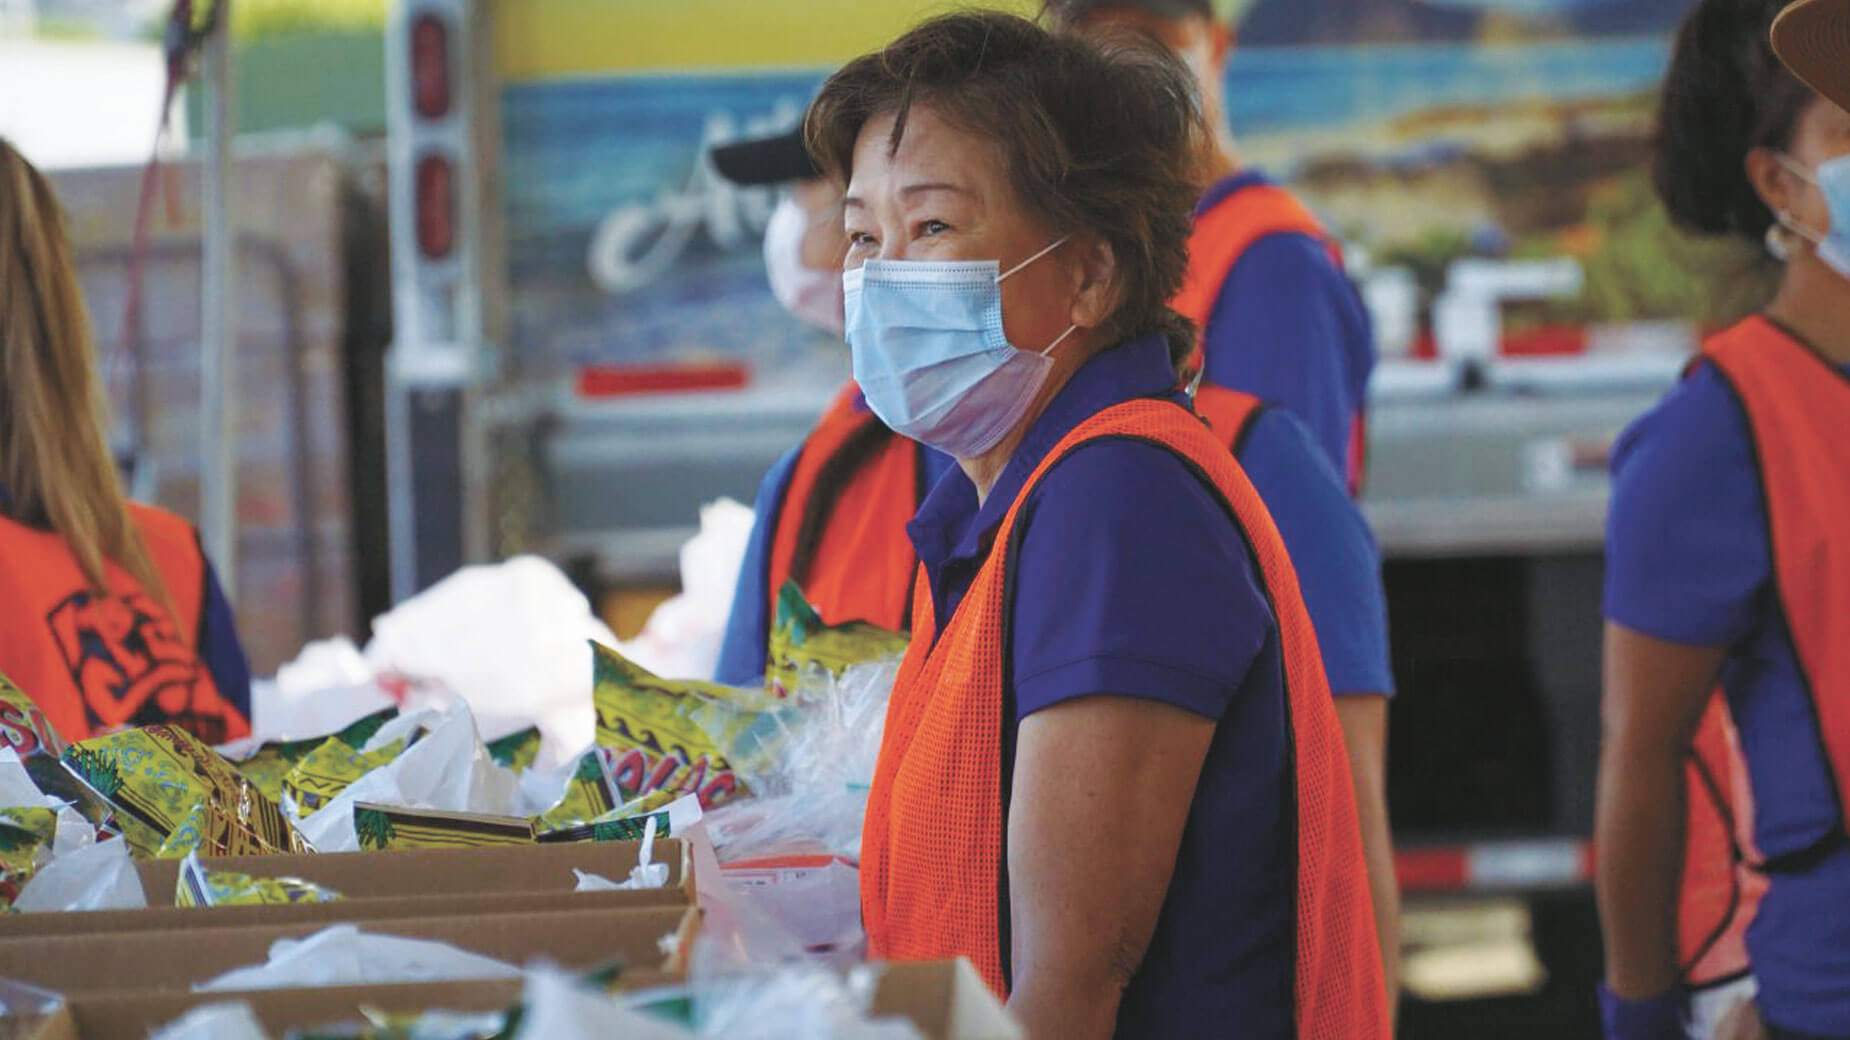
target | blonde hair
[{"x": 54, "y": 460}]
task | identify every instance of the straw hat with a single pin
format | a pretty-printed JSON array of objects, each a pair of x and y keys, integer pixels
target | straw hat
[{"x": 1813, "y": 38}]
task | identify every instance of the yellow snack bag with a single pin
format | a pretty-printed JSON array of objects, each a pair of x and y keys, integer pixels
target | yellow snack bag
[
  {"x": 663, "y": 735},
  {"x": 390, "y": 828},
  {"x": 25, "y": 845},
  {"x": 591, "y": 792},
  {"x": 246, "y": 828},
  {"x": 154, "y": 777},
  {"x": 800, "y": 642},
  {"x": 625, "y": 823},
  {"x": 328, "y": 770},
  {"x": 199, "y": 886},
  {"x": 23, "y": 727},
  {"x": 516, "y": 751},
  {"x": 272, "y": 763}
]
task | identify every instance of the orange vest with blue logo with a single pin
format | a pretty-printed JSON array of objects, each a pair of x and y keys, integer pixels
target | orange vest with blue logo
[
  {"x": 841, "y": 531},
  {"x": 97, "y": 662},
  {"x": 1798, "y": 414},
  {"x": 933, "y": 867},
  {"x": 1221, "y": 237}
]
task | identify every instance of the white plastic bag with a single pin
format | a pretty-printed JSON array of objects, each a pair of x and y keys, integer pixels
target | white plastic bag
[
  {"x": 325, "y": 689},
  {"x": 97, "y": 877},
  {"x": 510, "y": 639},
  {"x": 446, "y": 769},
  {"x": 558, "y": 1008},
  {"x": 682, "y": 638},
  {"x": 342, "y": 955},
  {"x": 229, "y": 1021}
]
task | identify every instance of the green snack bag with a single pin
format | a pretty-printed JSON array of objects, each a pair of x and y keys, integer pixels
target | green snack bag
[
  {"x": 801, "y": 642},
  {"x": 663, "y": 735},
  {"x": 516, "y": 751},
  {"x": 329, "y": 769},
  {"x": 386, "y": 828},
  {"x": 25, "y": 844},
  {"x": 199, "y": 886},
  {"x": 154, "y": 777}
]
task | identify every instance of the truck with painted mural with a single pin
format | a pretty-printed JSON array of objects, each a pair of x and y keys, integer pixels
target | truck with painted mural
[{"x": 586, "y": 350}]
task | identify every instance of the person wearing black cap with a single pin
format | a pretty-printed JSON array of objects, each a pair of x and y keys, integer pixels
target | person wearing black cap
[{"x": 831, "y": 514}]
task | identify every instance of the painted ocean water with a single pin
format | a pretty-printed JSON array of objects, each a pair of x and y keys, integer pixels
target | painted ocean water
[{"x": 624, "y": 247}]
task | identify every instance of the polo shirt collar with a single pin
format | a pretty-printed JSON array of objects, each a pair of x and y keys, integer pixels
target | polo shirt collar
[{"x": 951, "y": 526}]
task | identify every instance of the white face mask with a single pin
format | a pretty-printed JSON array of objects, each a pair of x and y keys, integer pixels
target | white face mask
[{"x": 807, "y": 293}]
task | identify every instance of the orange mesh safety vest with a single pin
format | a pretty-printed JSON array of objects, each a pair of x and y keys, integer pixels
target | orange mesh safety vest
[
  {"x": 932, "y": 863},
  {"x": 94, "y": 663},
  {"x": 1221, "y": 237},
  {"x": 1228, "y": 413},
  {"x": 1721, "y": 890},
  {"x": 861, "y": 563},
  {"x": 1798, "y": 407}
]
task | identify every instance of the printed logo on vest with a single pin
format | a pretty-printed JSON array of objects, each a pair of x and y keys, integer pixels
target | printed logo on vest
[{"x": 130, "y": 665}]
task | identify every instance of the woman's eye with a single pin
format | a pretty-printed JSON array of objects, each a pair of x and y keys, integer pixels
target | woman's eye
[
  {"x": 860, "y": 238},
  {"x": 933, "y": 227}
]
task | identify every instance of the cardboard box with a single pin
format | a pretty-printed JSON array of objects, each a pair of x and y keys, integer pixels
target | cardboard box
[
  {"x": 76, "y": 965},
  {"x": 947, "y": 1001},
  {"x": 390, "y": 885}
]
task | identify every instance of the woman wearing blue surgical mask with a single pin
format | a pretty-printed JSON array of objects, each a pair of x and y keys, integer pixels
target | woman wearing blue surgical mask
[
  {"x": 1111, "y": 773},
  {"x": 831, "y": 513},
  {"x": 1728, "y": 572}
]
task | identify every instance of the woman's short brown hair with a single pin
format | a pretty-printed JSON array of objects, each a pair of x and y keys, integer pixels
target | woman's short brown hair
[{"x": 1099, "y": 134}]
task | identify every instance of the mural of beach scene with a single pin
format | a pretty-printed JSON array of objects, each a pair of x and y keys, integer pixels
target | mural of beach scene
[{"x": 1424, "y": 132}]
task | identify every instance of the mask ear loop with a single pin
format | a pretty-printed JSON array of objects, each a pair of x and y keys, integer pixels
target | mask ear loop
[
  {"x": 1057, "y": 243},
  {"x": 1070, "y": 329},
  {"x": 1787, "y": 220}
]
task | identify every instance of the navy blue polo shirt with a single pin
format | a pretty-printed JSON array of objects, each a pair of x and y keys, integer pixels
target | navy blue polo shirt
[
  {"x": 1133, "y": 581},
  {"x": 219, "y": 647},
  {"x": 1688, "y": 561},
  {"x": 1290, "y": 328}
]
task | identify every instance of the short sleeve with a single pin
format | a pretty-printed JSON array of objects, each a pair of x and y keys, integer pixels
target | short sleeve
[
  {"x": 1131, "y": 580},
  {"x": 748, "y": 626},
  {"x": 1337, "y": 563},
  {"x": 1687, "y": 559},
  {"x": 1289, "y": 329}
]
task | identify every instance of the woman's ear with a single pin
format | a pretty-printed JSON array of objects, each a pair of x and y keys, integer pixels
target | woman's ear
[
  {"x": 1095, "y": 283},
  {"x": 1772, "y": 181}
]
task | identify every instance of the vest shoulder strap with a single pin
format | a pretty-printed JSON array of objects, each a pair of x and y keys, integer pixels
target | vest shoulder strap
[{"x": 1223, "y": 234}]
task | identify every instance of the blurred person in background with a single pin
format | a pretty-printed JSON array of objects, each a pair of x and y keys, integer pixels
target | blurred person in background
[
  {"x": 1111, "y": 774},
  {"x": 1282, "y": 322},
  {"x": 1728, "y": 557},
  {"x": 832, "y": 513},
  {"x": 110, "y": 616},
  {"x": 1279, "y": 318}
]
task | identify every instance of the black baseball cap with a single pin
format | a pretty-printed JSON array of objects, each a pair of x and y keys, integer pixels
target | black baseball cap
[{"x": 777, "y": 159}]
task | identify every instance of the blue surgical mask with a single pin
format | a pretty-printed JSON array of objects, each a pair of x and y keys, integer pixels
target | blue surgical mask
[
  {"x": 1832, "y": 179},
  {"x": 930, "y": 354}
]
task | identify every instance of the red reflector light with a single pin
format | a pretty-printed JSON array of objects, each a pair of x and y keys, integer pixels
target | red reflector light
[
  {"x": 595, "y": 381},
  {"x": 430, "y": 66},
  {"x": 436, "y": 207}
]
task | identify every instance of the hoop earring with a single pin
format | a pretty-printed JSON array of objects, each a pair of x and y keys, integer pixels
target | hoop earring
[{"x": 1776, "y": 244}]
